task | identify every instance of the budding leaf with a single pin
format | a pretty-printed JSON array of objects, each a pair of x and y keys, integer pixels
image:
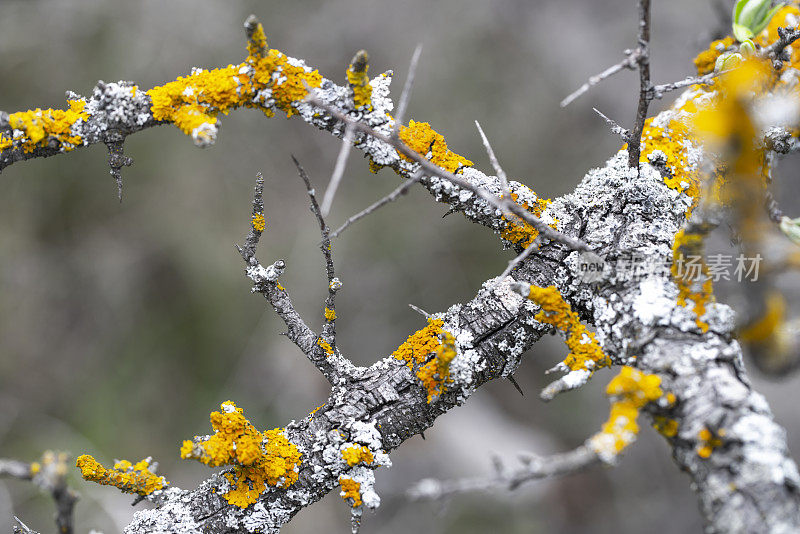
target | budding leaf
[
  {"x": 791, "y": 227},
  {"x": 750, "y": 17}
]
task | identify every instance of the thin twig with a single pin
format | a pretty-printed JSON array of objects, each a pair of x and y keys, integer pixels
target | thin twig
[
  {"x": 401, "y": 190},
  {"x": 405, "y": 96},
  {"x": 659, "y": 90},
  {"x": 536, "y": 468},
  {"x": 645, "y": 88},
  {"x": 504, "y": 205},
  {"x": 615, "y": 127},
  {"x": 329, "y": 328},
  {"x": 338, "y": 171},
  {"x": 630, "y": 61},
  {"x": 496, "y": 164},
  {"x": 420, "y": 311},
  {"x": 521, "y": 257},
  {"x": 265, "y": 281},
  {"x": 786, "y": 36}
]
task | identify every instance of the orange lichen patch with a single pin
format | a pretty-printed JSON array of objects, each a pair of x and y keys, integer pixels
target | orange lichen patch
[
  {"x": 315, "y": 410},
  {"x": 708, "y": 441},
  {"x": 192, "y": 101},
  {"x": 128, "y": 477},
  {"x": 330, "y": 314},
  {"x": 326, "y": 347},
  {"x": 585, "y": 352},
  {"x": 518, "y": 231},
  {"x": 764, "y": 328},
  {"x": 357, "y": 454},
  {"x": 690, "y": 273},
  {"x": 672, "y": 141},
  {"x": 665, "y": 426},
  {"x": 433, "y": 373},
  {"x": 707, "y": 59},
  {"x": 259, "y": 222},
  {"x": 350, "y": 490},
  {"x": 632, "y": 390},
  {"x": 260, "y": 459},
  {"x": 359, "y": 80},
  {"x": 40, "y": 126},
  {"x": 421, "y": 138}
]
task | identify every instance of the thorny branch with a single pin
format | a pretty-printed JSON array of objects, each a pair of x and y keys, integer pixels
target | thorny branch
[{"x": 701, "y": 369}]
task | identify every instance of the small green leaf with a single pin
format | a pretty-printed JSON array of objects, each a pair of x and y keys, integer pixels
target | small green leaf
[
  {"x": 742, "y": 33},
  {"x": 791, "y": 227},
  {"x": 727, "y": 61}
]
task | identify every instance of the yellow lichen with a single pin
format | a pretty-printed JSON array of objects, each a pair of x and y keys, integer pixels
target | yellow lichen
[
  {"x": 330, "y": 314},
  {"x": 421, "y": 138},
  {"x": 665, "y": 426},
  {"x": 707, "y": 59},
  {"x": 632, "y": 390},
  {"x": 260, "y": 459},
  {"x": 359, "y": 80},
  {"x": 429, "y": 356},
  {"x": 326, "y": 347},
  {"x": 694, "y": 284},
  {"x": 708, "y": 441},
  {"x": 764, "y": 328},
  {"x": 192, "y": 101},
  {"x": 128, "y": 477},
  {"x": 259, "y": 222},
  {"x": 350, "y": 490},
  {"x": 35, "y": 468},
  {"x": 519, "y": 231},
  {"x": 357, "y": 454},
  {"x": 585, "y": 352},
  {"x": 41, "y": 126}
]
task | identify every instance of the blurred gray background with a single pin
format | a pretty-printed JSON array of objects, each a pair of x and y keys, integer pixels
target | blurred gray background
[{"x": 123, "y": 326}]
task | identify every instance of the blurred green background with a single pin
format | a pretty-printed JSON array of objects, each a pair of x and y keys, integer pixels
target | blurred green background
[{"x": 123, "y": 325}]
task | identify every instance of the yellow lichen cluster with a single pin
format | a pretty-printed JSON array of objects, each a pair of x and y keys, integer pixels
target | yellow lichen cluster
[
  {"x": 632, "y": 390},
  {"x": 259, "y": 222},
  {"x": 665, "y": 426},
  {"x": 518, "y": 231},
  {"x": 40, "y": 126},
  {"x": 58, "y": 461},
  {"x": 357, "y": 454},
  {"x": 359, "y": 80},
  {"x": 421, "y": 138},
  {"x": 326, "y": 347},
  {"x": 128, "y": 477},
  {"x": 195, "y": 100},
  {"x": 708, "y": 441},
  {"x": 694, "y": 285},
  {"x": 707, "y": 59},
  {"x": 350, "y": 490},
  {"x": 430, "y": 341},
  {"x": 330, "y": 314},
  {"x": 260, "y": 459},
  {"x": 585, "y": 352},
  {"x": 435, "y": 373}
]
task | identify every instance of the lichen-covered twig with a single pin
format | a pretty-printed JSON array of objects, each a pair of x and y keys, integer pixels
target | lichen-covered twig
[
  {"x": 334, "y": 284},
  {"x": 49, "y": 475},
  {"x": 505, "y": 205},
  {"x": 614, "y": 126},
  {"x": 266, "y": 282}
]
